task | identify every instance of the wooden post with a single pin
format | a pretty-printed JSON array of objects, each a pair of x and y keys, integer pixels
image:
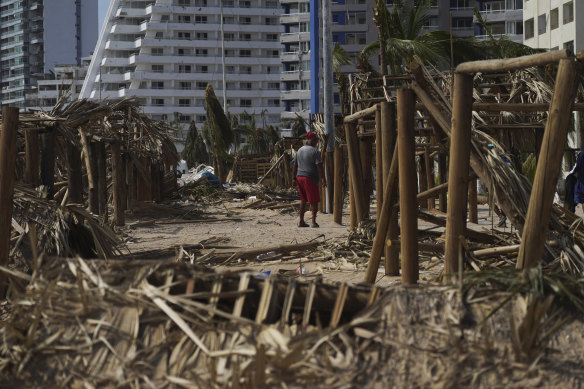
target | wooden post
[
  {"x": 366, "y": 160},
  {"x": 130, "y": 181},
  {"x": 338, "y": 185},
  {"x": 458, "y": 171},
  {"x": 422, "y": 184},
  {"x": 94, "y": 190},
  {"x": 548, "y": 167},
  {"x": 155, "y": 181},
  {"x": 48, "y": 161},
  {"x": 406, "y": 103},
  {"x": 390, "y": 196},
  {"x": 442, "y": 171},
  {"x": 75, "y": 176},
  {"x": 352, "y": 207},
  {"x": 7, "y": 166},
  {"x": 388, "y": 141},
  {"x": 32, "y": 157},
  {"x": 101, "y": 180},
  {"x": 355, "y": 171},
  {"x": 473, "y": 212},
  {"x": 429, "y": 173},
  {"x": 330, "y": 180},
  {"x": 378, "y": 162},
  {"x": 118, "y": 184},
  {"x": 144, "y": 186}
]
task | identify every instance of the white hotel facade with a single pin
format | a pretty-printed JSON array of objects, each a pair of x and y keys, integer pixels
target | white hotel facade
[
  {"x": 554, "y": 24},
  {"x": 165, "y": 52}
]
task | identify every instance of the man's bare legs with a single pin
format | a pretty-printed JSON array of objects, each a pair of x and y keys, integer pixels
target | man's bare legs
[
  {"x": 314, "y": 209},
  {"x": 301, "y": 223}
]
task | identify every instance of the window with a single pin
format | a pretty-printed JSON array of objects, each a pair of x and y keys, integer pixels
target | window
[
  {"x": 273, "y": 102},
  {"x": 230, "y": 86},
  {"x": 202, "y": 36},
  {"x": 273, "y": 53},
  {"x": 164, "y": 18},
  {"x": 454, "y": 4},
  {"x": 229, "y": 20},
  {"x": 229, "y": 36},
  {"x": 244, "y": 53},
  {"x": 245, "y": 103},
  {"x": 273, "y": 85},
  {"x": 244, "y": 37},
  {"x": 356, "y": 38},
  {"x": 157, "y": 68},
  {"x": 157, "y": 102},
  {"x": 185, "y": 85},
  {"x": 514, "y": 4},
  {"x": 245, "y": 85},
  {"x": 157, "y": 51},
  {"x": 245, "y": 3},
  {"x": 201, "y": 85},
  {"x": 356, "y": 18},
  {"x": 245, "y": 70},
  {"x": 270, "y": 21},
  {"x": 201, "y": 118},
  {"x": 514, "y": 28},
  {"x": 184, "y": 118},
  {"x": 201, "y": 19},
  {"x": 529, "y": 28},
  {"x": 200, "y": 3},
  {"x": 184, "y": 102},
  {"x": 157, "y": 85},
  {"x": 184, "y": 19},
  {"x": 569, "y": 46},
  {"x": 541, "y": 24},
  {"x": 184, "y": 68},
  {"x": 201, "y": 52},
  {"x": 230, "y": 69},
  {"x": 568, "y": 9},
  {"x": 203, "y": 69},
  {"x": 184, "y": 35},
  {"x": 158, "y": 35},
  {"x": 554, "y": 19},
  {"x": 184, "y": 3},
  {"x": 461, "y": 23},
  {"x": 271, "y": 37},
  {"x": 244, "y": 20},
  {"x": 181, "y": 52}
]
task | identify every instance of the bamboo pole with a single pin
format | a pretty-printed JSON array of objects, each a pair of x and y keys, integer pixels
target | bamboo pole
[
  {"x": 75, "y": 177},
  {"x": 407, "y": 185},
  {"x": 388, "y": 140},
  {"x": 355, "y": 171},
  {"x": 473, "y": 212},
  {"x": 459, "y": 167},
  {"x": 511, "y": 64},
  {"x": 32, "y": 160},
  {"x": 118, "y": 184},
  {"x": 390, "y": 196},
  {"x": 365, "y": 147},
  {"x": 101, "y": 179},
  {"x": 330, "y": 180},
  {"x": 428, "y": 159},
  {"x": 338, "y": 185},
  {"x": 378, "y": 162},
  {"x": 361, "y": 114},
  {"x": 48, "y": 161},
  {"x": 548, "y": 167},
  {"x": 519, "y": 107},
  {"x": 7, "y": 166},
  {"x": 352, "y": 207}
]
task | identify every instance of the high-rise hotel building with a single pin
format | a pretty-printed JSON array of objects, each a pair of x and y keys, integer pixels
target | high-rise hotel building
[
  {"x": 165, "y": 52},
  {"x": 37, "y": 35}
]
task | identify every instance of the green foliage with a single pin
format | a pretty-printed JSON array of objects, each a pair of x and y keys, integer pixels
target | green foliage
[
  {"x": 260, "y": 140},
  {"x": 195, "y": 151}
]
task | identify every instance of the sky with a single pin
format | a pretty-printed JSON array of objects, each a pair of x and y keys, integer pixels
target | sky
[{"x": 101, "y": 11}]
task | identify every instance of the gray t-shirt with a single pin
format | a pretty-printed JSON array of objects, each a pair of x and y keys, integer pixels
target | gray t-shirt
[{"x": 306, "y": 159}]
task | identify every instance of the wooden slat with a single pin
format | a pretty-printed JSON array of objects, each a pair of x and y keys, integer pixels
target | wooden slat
[
  {"x": 339, "y": 305},
  {"x": 243, "y": 284},
  {"x": 308, "y": 303}
]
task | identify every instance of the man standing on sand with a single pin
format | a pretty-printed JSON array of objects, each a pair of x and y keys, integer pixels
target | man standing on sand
[{"x": 307, "y": 168}]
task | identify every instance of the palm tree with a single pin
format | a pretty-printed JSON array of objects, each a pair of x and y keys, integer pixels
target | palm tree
[
  {"x": 221, "y": 134},
  {"x": 195, "y": 151}
]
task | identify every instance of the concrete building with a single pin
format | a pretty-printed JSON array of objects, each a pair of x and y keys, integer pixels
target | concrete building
[
  {"x": 36, "y": 35},
  {"x": 352, "y": 28},
  {"x": 66, "y": 80},
  {"x": 165, "y": 52},
  {"x": 503, "y": 18},
  {"x": 553, "y": 24}
]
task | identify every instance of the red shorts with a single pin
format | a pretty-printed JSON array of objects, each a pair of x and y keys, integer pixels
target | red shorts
[{"x": 308, "y": 189}]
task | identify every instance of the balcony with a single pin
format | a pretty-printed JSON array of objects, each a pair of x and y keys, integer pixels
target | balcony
[
  {"x": 289, "y": 37},
  {"x": 124, "y": 12},
  {"x": 125, "y": 29}
]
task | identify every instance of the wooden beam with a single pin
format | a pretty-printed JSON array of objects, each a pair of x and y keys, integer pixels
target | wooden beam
[
  {"x": 518, "y": 107},
  {"x": 355, "y": 171},
  {"x": 378, "y": 161},
  {"x": 511, "y": 64},
  {"x": 459, "y": 168},
  {"x": 549, "y": 164},
  {"x": 407, "y": 185},
  {"x": 388, "y": 119},
  {"x": 358, "y": 115}
]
